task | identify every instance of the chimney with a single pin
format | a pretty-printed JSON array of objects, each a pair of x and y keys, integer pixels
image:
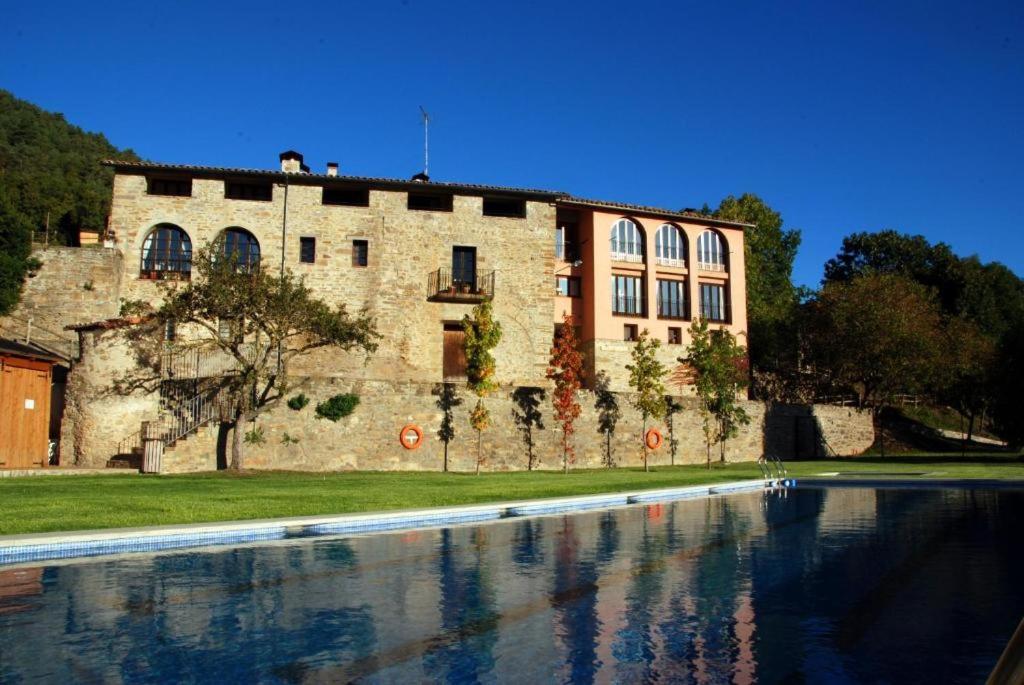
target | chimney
[
  {"x": 420, "y": 178},
  {"x": 291, "y": 162},
  {"x": 332, "y": 168}
]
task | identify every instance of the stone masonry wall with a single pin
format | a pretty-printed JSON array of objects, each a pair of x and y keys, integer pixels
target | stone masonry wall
[
  {"x": 368, "y": 438},
  {"x": 404, "y": 246},
  {"x": 74, "y": 285}
]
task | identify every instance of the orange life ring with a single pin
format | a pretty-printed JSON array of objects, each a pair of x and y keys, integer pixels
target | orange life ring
[
  {"x": 411, "y": 437},
  {"x": 653, "y": 439}
]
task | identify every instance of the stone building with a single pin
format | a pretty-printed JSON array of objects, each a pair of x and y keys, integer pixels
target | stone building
[{"x": 417, "y": 255}]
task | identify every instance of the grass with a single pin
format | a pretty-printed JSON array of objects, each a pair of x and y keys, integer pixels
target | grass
[{"x": 42, "y": 504}]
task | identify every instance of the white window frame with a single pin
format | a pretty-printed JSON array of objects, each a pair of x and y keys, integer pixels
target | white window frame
[
  {"x": 670, "y": 246},
  {"x": 711, "y": 251},
  {"x": 627, "y": 242}
]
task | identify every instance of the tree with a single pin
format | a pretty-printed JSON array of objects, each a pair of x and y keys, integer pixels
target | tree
[
  {"x": 671, "y": 409},
  {"x": 447, "y": 399},
  {"x": 645, "y": 377},
  {"x": 566, "y": 370},
  {"x": 1008, "y": 405},
  {"x": 483, "y": 334},
  {"x": 718, "y": 367},
  {"x": 15, "y": 247},
  {"x": 528, "y": 416},
  {"x": 608, "y": 413},
  {"x": 878, "y": 335},
  {"x": 968, "y": 381},
  {"x": 274, "y": 319},
  {"x": 769, "y": 251}
]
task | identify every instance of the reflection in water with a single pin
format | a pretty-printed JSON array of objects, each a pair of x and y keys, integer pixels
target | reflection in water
[{"x": 851, "y": 584}]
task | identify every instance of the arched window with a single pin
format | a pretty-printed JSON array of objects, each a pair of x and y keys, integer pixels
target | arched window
[
  {"x": 166, "y": 253},
  {"x": 627, "y": 242},
  {"x": 241, "y": 248},
  {"x": 670, "y": 246},
  {"x": 711, "y": 251}
]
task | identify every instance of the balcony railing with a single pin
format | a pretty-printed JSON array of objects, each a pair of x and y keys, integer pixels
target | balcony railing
[
  {"x": 443, "y": 286},
  {"x": 628, "y": 306},
  {"x": 710, "y": 266},
  {"x": 567, "y": 252},
  {"x": 627, "y": 251},
  {"x": 672, "y": 309},
  {"x": 671, "y": 261},
  {"x": 154, "y": 267},
  {"x": 715, "y": 314}
]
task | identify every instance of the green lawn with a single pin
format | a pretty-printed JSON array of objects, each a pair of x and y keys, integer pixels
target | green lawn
[{"x": 43, "y": 504}]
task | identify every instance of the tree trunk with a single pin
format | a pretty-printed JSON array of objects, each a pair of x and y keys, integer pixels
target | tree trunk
[
  {"x": 707, "y": 445},
  {"x": 721, "y": 442},
  {"x": 970, "y": 426},
  {"x": 445, "y": 456},
  {"x": 643, "y": 439},
  {"x": 881, "y": 433},
  {"x": 565, "y": 454},
  {"x": 479, "y": 435},
  {"x": 236, "y": 444}
]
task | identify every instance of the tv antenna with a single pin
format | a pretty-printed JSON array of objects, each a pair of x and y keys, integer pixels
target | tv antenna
[{"x": 426, "y": 141}]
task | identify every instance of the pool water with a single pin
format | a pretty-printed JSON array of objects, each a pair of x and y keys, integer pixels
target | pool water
[{"x": 810, "y": 585}]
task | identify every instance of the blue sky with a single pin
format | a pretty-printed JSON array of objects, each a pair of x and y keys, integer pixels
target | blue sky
[{"x": 843, "y": 116}]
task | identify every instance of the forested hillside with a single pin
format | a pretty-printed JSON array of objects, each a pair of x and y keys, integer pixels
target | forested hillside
[{"x": 48, "y": 167}]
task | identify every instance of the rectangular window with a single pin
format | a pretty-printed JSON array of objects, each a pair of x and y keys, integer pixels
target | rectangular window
[
  {"x": 627, "y": 295},
  {"x": 430, "y": 202},
  {"x": 630, "y": 332},
  {"x": 464, "y": 266},
  {"x": 671, "y": 299},
  {"x": 170, "y": 330},
  {"x": 225, "y": 328},
  {"x": 568, "y": 286},
  {"x": 675, "y": 335},
  {"x": 360, "y": 252},
  {"x": 249, "y": 190},
  {"x": 177, "y": 187},
  {"x": 307, "y": 250},
  {"x": 505, "y": 206},
  {"x": 454, "y": 359},
  {"x": 346, "y": 197},
  {"x": 713, "y": 306}
]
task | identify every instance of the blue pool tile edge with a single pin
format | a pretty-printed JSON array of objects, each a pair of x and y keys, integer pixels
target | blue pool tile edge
[{"x": 54, "y": 546}]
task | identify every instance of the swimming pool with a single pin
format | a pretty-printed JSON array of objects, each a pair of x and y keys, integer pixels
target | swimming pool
[{"x": 836, "y": 585}]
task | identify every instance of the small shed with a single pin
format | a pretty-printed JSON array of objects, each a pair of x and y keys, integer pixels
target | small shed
[{"x": 26, "y": 376}]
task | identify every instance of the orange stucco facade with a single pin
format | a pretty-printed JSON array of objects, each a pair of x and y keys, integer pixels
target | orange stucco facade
[{"x": 602, "y": 328}]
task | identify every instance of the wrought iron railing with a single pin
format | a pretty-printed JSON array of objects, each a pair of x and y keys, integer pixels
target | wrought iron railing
[
  {"x": 171, "y": 266},
  {"x": 207, "y": 361},
  {"x": 710, "y": 266},
  {"x": 444, "y": 284},
  {"x": 669, "y": 308},
  {"x": 715, "y": 313},
  {"x": 665, "y": 260},
  {"x": 27, "y": 331},
  {"x": 628, "y": 306}
]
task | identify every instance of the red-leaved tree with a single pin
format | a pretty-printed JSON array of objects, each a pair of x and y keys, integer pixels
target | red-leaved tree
[{"x": 566, "y": 369}]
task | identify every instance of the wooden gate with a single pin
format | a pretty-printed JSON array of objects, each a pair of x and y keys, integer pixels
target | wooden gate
[{"x": 24, "y": 412}]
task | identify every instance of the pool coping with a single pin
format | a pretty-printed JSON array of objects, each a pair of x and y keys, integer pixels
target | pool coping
[{"x": 33, "y": 547}]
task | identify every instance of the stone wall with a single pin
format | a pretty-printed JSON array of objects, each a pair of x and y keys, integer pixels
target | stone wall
[
  {"x": 404, "y": 246},
  {"x": 74, "y": 285},
  {"x": 811, "y": 431},
  {"x": 368, "y": 438},
  {"x": 612, "y": 356}
]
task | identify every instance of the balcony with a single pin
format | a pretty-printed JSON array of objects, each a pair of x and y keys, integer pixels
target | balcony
[
  {"x": 710, "y": 266},
  {"x": 567, "y": 252},
  {"x": 174, "y": 266},
  {"x": 627, "y": 251},
  {"x": 673, "y": 309},
  {"x": 628, "y": 306},
  {"x": 442, "y": 286},
  {"x": 675, "y": 262}
]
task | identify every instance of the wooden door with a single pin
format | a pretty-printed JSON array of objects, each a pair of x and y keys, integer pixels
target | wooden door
[
  {"x": 454, "y": 353},
  {"x": 24, "y": 413}
]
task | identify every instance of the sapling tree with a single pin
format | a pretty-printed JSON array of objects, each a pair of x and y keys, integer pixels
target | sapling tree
[
  {"x": 608, "y": 414},
  {"x": 483, "y": 334},
  {"x": 671, "y": 409},
  {"x": 447, "y": 399},
  {"x": 718, "y": 367},
  {"x": 273, "y": 320},
  {"x": 645, "y": 377},
  {"x": 528, "y": 417},
  {"x": 566, "y": 370}
]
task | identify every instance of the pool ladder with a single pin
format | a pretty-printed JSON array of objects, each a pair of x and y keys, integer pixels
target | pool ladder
[{"x": 780, "y": 477}]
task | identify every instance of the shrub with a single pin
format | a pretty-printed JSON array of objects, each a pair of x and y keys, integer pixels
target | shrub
[
  {"x": 299, "y": 402},
  {"x": 255, "y": 436},
  {"x": 337, "y": 407}
]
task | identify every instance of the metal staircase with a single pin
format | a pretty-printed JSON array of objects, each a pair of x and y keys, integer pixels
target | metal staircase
[{"x": 191, "y": 396}]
